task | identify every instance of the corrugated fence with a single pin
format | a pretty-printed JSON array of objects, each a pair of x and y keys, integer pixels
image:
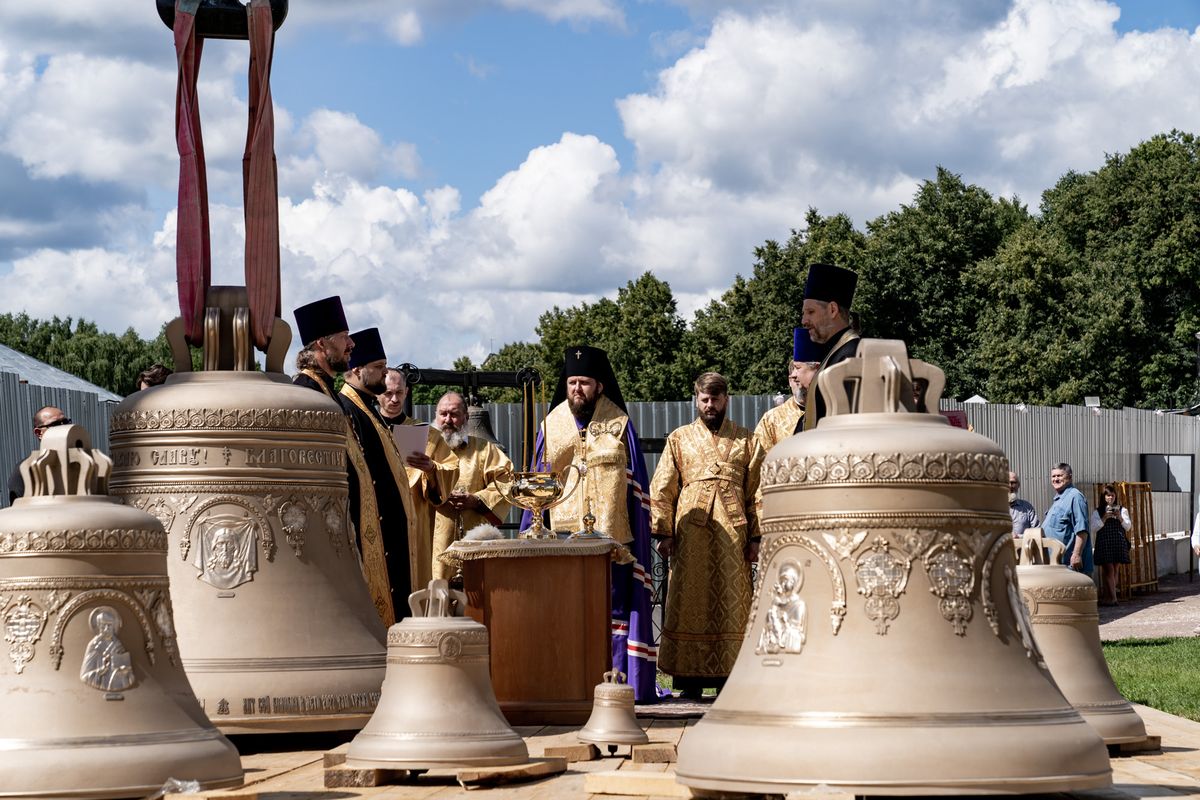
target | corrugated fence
[
  {"x": 20, "y": 400},
  {"x": 1101, "y": 445}
]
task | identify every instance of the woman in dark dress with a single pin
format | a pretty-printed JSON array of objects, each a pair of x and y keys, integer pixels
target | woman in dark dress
[{"x": 1109, "y": 524}]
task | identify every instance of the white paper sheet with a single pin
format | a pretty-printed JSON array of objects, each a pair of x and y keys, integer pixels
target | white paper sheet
[{"x": 410, "y": 438}]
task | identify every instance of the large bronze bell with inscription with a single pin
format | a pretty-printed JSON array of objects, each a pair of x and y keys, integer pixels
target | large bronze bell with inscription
[
  {"x": 1065, "y": 624},
  {"x": 95, "y": 701},
  {"x": 887, "y": 651},
  {"x": 247, "y": 473},
  {"x": 438, "y": 708}
]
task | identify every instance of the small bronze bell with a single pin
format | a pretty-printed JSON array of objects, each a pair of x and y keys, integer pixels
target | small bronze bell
[
  {"x": 96, "y": 703},
  {"x": 613, "y": 720},
  {"x": 885, "y": 651},
  {"x": 438, "y": 709},
  {"x": 1066, "y": 627}
]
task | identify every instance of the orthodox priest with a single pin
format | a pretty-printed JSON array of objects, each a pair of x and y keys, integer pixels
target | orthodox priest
[
  {"x": 788, "y": 417},
  {"x": 589, "y": 425},
  {"x": 391, "y": 401},
  {"x": 474, "y": 499},
  {"x": 326, "y": 344},
  {"x": 828, "y": 293},
  {"x": 403, "y": 548},
  {"x": 704, "y": 522}
]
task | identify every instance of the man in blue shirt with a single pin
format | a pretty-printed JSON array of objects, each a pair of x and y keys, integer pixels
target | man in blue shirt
[{"x": 1067, "y": 520}]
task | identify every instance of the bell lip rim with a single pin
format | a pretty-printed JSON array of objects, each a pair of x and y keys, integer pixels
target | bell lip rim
[{"x": 1088, "y": 780}]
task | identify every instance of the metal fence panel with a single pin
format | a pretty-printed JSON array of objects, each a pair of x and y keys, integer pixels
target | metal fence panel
[{"x": 19, "y": 401}]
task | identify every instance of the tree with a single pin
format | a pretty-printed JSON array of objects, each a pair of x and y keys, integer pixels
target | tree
[
  {"x": 82, "y": 349},
  {"x": 913, "y": 285},
  {"x": 1135, "y": 224},
  {"x": 746, "y": 335},
  {"x": 641, "y": 331}
]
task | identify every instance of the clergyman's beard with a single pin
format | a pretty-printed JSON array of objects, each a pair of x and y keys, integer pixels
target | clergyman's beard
[
  {"x": 339, "y": 364},
  {"x": 376, "y": 387},
  {"x": 714, "y": 420},
  {"x": 1012, "y": 497},
  {"x": 582, "y": 409},
  {"x": 455, "y": 438},
  {"x": 800, "y": 395}
]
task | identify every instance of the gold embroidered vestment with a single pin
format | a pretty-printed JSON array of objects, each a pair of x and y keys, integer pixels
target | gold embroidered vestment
[
  {"x": 602, "y": 449},
  {"x": 702, "y": 496},
  {"x": 479, "y": 461}
]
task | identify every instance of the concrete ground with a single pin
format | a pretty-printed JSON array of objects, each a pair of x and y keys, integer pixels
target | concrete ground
[{"x": 1174, "y": 610}]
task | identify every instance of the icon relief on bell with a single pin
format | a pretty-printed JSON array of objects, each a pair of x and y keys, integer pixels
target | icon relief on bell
[
  {"x": 107, "y": 665},
  {"x": 786, "y": 626},
  {"x": 227, "y": 553},
  {"x": 881, "y": 577}
]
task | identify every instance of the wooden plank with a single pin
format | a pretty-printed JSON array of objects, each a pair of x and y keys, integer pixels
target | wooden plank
[
  {"x": 634, "y": 766},
  {"x": 634, "y": 782},
  {"x": 1147, "y": 745},
  {"x": 215, "y": 794},
  {"x": 1143, "y": 779},
  {"x": 336, "y": 756},
  {"x": 579, "y": 751},
  {"x": 343, "y": 777},
  {"x": 514, "y": 773},
  {"x": 657, "y": 753}
]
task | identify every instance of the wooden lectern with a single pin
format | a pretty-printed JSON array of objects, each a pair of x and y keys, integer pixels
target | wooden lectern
[{"x": 547, "y": 608}]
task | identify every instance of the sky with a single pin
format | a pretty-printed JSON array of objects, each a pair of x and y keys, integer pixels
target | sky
[{"x": 454, "y": 168}]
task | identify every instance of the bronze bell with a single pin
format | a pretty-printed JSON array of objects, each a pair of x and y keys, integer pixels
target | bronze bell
[
  {"x": 613, "y": 720},
  {"x": 1065, "y": 625},
  {"x": 438, "y": 709},
  {"x": 885, "y": 651},
  {"x": 479, "y": 425},
  {"x": 247, "y": 473},
  {"x": 96, "y": 703}
]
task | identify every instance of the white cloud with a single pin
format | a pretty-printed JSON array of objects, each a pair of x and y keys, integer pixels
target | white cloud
[
  {"x": 405, "y": 27},
  {"x": 842, "y": 106}
]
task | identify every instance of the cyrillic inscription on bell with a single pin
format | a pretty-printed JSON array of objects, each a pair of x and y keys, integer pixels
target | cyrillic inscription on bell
[
  {"x": 438, "y": 708},
  {"x": 887, "y": 651},
  {"x": 1065, "y": 623},
  {"x": 247, "y": 473},
  {"x": 96, "y": 703}
]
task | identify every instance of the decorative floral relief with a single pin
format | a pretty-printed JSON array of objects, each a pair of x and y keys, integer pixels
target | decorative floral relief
[
  {"x": 886, "y": 467},
  {"x": 24, "y": 623},
  {"x": 262, "y": 418},
  {"x": 952, "y": 578},
  {"x": 844, "y": 543},
  {"x": 133, "y": 540},
  {"x": 293, "y": 518},
  {"x": 158, "y": 603},
  {"x": 881, "y": 578}
]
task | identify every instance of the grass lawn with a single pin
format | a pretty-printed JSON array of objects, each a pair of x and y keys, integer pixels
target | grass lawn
[{"x": 1161, "y": 673}]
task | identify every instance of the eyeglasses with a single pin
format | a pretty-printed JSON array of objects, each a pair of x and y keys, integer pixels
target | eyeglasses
[{"x": 54, "y": 424}]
